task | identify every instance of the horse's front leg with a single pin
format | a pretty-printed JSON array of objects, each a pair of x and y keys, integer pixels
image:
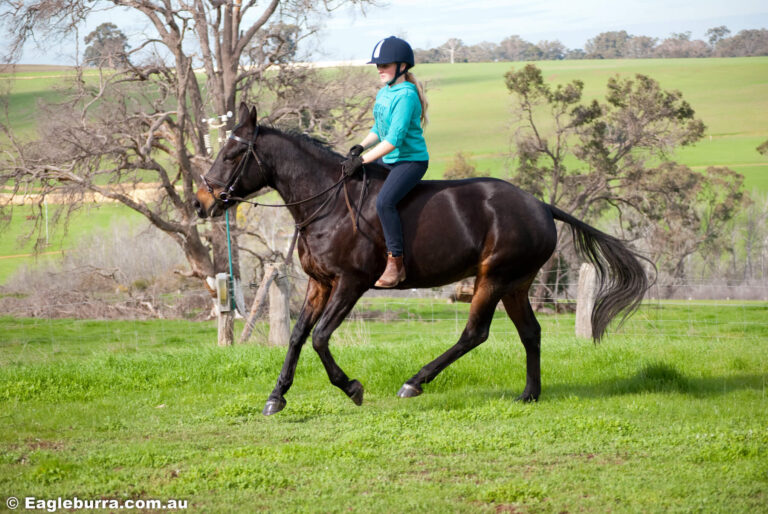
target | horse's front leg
[
  {"x": 344, "y": 295},
  {"x": 314, "y": 303}
]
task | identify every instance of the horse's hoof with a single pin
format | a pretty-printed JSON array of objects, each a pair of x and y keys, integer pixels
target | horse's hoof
[
  {"x": 527, "y": 398},
  {"x": 355, "y": 392},
  {"x": 409, "y": 391},
  {"x": 273, "y": 406}
]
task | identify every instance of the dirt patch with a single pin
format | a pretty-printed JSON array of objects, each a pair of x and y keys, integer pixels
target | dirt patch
[
  {"x": 150, "y": 192},
  {"x": 35, "y": 68},
  {"x": 41, "y": 444}
]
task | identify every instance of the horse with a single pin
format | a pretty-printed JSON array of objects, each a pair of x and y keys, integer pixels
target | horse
[{"x": 453, "y": 229}]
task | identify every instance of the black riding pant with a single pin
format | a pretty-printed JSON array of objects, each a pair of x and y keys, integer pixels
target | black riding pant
[{"x": 401, "y": 179}]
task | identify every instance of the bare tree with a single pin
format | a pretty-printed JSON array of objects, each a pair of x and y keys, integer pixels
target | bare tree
[
  {"x": 452, "y": 47},
  {"x": 145, "y": 123}
]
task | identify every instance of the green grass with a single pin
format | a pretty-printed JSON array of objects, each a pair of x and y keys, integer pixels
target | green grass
[
  {"x": 16, "y": 247},
  {"x": 27, "y": 89},
  {"x": 670, "y": 414},
  {"x": 470, "y": 106}
]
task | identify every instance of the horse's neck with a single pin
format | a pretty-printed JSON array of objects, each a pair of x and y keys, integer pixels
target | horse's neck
[{"x": 301, "y": 172}]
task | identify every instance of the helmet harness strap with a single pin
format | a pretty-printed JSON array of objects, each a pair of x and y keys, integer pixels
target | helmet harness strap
[{"x": 398, "y": 73}]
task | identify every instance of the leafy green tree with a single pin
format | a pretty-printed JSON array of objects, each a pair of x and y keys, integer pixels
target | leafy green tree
[
  {"x": 107, "y": 47},
  {"x": 622, "y": 165},
  {"x": 716, "y": 34}
]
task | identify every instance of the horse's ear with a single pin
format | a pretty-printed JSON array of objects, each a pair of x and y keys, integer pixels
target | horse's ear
[
  {"x": 253, "y": 115},
  {"x": 242, "y": 113}
]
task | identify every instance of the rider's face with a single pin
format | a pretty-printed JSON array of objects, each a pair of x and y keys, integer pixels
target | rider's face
[{"x": 386, "y": 72}]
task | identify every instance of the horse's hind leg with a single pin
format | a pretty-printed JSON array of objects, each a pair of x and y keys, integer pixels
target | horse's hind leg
[
  {"x": 518, "y": 307},
  {"x": 476, "y": 331}
]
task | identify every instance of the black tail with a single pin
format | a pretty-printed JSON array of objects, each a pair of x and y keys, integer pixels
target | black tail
[{"x": 622, "y": 281}]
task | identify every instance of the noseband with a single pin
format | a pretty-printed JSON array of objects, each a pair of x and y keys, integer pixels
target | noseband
[{"x": 226, "y": 194}]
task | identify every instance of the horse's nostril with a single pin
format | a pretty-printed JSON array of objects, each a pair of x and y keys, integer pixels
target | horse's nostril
[{"x": 199, "y": 208}]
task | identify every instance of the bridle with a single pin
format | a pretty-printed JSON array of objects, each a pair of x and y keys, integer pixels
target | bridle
[{"x": 226, "y": 194}]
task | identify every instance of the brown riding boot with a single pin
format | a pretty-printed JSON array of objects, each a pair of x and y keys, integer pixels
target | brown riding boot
[{"x": 393, "y": 274}]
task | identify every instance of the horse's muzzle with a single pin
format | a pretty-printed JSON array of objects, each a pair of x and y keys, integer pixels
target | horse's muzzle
[{"x": 205, "y": 204}]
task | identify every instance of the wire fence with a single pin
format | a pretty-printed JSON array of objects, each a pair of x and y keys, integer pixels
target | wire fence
[{"x": 378, "y": 316}]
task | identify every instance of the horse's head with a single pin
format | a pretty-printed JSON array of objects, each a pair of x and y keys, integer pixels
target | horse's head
[{"x": 237, "y": 170}]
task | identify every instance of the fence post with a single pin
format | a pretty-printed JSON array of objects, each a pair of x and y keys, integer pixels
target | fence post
[
  {"x": 226, "y": 324},
  {"x": 279, "y": 308},
  {"x": 585, "y": 300}
]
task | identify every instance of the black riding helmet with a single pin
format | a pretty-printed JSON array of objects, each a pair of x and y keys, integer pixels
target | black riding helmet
[{"x": 393, "y": 49}]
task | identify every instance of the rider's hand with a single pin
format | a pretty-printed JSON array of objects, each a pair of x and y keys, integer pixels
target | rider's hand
[
  {"x": 355, "y": 151},
  {"x": 351, "y": 165}
]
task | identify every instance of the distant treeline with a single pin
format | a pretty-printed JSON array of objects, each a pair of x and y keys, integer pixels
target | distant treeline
[{"x": 607, "y": 45}]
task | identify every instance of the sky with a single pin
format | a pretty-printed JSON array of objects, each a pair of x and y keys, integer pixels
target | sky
[{"x": 349, "y": 35}]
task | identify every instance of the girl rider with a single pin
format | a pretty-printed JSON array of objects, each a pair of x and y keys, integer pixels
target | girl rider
[{"x": 396, "y": 137}]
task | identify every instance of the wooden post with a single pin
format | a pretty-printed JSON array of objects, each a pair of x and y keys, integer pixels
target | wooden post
[
  {"x": 225, "y": 315},
  {"x": 585, "y": 300},
  {"x": 226, "y": 323},
  {"x": 279, "y": 308},
  {"x": 270, "y": 272}
]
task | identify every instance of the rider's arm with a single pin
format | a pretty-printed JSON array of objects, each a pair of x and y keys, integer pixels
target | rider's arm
[
  {"x": 371, "y": 139},
  {"x": 378, "y": 151}
]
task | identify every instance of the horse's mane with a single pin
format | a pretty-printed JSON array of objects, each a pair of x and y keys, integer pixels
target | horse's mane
[
  {"x": 307, "y": 141},
  {"x": 318, "y": 146}
]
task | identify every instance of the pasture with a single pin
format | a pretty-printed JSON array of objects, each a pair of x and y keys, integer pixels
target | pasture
[
  {"x": 470, "y": 108},
  {"x": 668, "y": 415}
]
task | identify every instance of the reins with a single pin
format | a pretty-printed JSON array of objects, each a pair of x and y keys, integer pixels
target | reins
[{"x": 224, "y": 196}]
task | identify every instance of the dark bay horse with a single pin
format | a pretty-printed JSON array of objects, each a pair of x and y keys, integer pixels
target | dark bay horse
[{"x": 480, "y": 227}]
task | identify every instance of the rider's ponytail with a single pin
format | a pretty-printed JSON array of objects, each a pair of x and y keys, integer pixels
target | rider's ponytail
[{"x": 422, "y": 97}]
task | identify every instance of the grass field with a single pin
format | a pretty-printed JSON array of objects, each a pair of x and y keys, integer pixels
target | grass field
[
  {"x": 16, "y": 249},
  {"x": 469, "y": 111},
  {"x": 470, "y": 106},
  {"x": 669, "y": 416}
]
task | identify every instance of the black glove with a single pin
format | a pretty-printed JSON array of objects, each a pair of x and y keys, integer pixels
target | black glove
[
  {"x": 355, "y": 151},
  {"x": 351, "y": 165}
]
